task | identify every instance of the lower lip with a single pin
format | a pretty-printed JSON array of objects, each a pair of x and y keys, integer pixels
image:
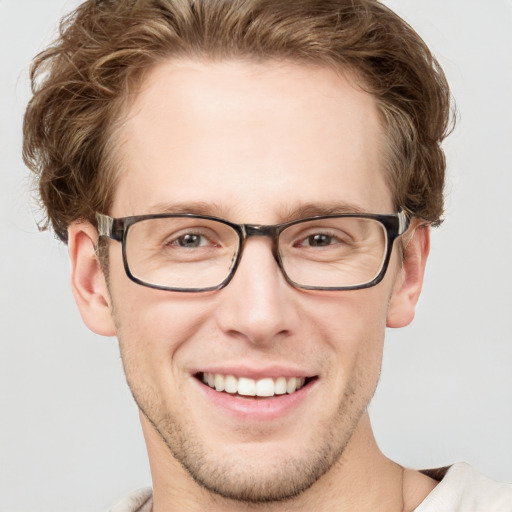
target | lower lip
[{"x": 255, "y": 408}]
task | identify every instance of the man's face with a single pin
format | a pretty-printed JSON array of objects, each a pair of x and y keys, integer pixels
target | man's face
[{"x": 251, "y": 143}]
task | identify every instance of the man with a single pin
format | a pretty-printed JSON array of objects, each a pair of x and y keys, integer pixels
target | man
[{"x": 246, "y": 189}]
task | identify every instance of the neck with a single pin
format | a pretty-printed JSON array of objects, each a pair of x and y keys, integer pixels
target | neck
[{"x": 363, "y": 479}]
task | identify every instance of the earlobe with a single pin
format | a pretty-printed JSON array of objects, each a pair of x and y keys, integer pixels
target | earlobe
[
  {"x": 87, "y": 279},
  {"x": 408, "y": 285}
]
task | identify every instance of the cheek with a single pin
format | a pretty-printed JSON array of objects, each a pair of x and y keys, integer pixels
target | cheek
[
  {"x": 158, "y": 319},
  {"x": 352, "y": 326},
  {"x": 154, "y": 334},
  {"x": 350, "y": 315}
]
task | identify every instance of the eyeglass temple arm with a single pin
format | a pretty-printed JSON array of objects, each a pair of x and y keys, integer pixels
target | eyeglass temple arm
[
  {"x": 105, "y": 225},
  {"x": 404, "y": 219}
]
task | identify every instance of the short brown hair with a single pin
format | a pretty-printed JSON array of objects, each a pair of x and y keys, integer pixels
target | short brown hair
[{"x": 104, "y": 48}]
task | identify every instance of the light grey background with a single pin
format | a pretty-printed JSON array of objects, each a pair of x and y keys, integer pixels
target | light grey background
[{"x": 69, "y": 433}]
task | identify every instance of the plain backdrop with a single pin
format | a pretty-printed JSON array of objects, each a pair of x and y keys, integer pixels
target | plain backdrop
[{"x": 69, "y": 433}]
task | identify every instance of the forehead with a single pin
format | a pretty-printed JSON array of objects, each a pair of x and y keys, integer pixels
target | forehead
[{"x": 252, "y": 140}]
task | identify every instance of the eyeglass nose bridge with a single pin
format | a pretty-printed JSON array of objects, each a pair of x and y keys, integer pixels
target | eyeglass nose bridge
[{"x": 272, "y": 232}]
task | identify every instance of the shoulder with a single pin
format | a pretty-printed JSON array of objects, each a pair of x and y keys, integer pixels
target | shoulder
[
  {"x": 140, "y": 500},
  {"x": 463, "y": 489}
]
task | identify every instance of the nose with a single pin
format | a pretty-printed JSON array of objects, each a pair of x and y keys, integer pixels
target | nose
[{"x": 258, "y": 304}]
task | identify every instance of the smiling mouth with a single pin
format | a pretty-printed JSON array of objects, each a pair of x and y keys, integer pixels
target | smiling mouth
[{"x": 247, "y": 387}]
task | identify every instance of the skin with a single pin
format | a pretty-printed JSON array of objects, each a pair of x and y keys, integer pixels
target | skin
[{"x": 254, "y": 143}]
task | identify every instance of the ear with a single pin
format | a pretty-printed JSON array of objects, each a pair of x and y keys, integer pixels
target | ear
[
  {"x": 87, "y": 279},
  {"x": 410, "y": 277}
]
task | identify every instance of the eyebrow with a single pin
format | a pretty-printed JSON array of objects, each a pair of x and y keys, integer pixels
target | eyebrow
[
  {"x": 196, "y": 207},
  {"x": 302, "y": 211},
  {"x": 319, "y": 209}
]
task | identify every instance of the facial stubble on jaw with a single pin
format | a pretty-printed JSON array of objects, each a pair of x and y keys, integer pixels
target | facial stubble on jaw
[{"x": 292, "y": 477}]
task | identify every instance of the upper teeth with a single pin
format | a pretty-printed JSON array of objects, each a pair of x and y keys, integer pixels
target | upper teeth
[{"x": 250, "y": 387}]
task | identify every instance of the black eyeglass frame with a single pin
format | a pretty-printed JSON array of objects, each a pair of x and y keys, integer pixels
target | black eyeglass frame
[{"x": 117, "y": 228}]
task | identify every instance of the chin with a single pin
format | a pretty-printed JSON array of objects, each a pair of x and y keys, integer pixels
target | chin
[{"x": 250, "y": 475}]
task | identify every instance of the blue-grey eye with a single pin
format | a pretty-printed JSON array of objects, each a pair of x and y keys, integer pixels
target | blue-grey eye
[
  {"x": 190, "y": 240},
  {"x": 319, "y": 240}
]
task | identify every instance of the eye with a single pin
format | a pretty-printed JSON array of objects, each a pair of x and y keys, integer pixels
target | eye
[
  {"x": 190, "y": 241},
  {"x": 319, "y": 240}
]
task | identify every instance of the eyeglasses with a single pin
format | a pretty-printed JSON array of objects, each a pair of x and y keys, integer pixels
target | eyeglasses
[{"x": 196, "y": 253}]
